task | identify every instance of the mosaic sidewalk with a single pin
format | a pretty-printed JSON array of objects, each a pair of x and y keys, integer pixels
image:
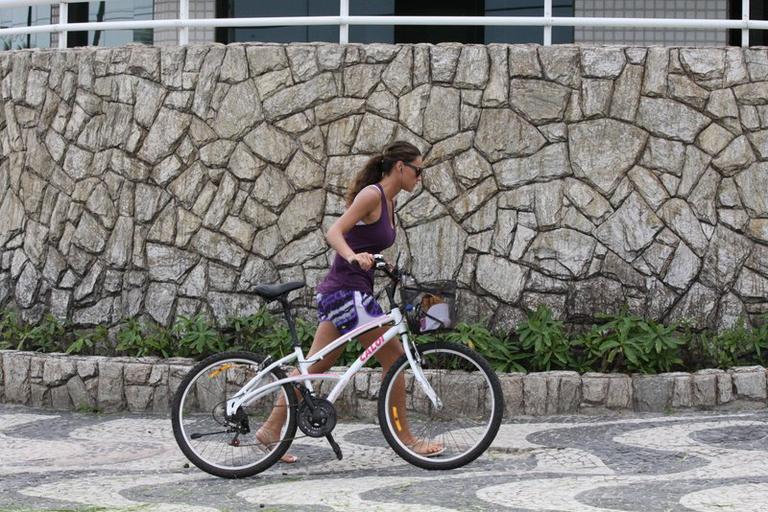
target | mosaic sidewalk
[{"x": 702, "y": 463}]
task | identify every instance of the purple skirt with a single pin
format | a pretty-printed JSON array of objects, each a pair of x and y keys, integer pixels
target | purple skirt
[{"x": 347, "y": 309}]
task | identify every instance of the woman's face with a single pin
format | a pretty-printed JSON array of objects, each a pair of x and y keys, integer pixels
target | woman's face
[{"x": 411, "y": 173}]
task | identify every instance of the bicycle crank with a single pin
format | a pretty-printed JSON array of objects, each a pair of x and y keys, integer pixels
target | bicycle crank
[{"x": 317, "y": 419}]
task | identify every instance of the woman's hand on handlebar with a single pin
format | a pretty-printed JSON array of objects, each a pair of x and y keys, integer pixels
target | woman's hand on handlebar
[{"x": 364, "y": 260}]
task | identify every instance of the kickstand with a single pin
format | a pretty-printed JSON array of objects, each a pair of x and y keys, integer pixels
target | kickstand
[{"x": 334, "y": 445}]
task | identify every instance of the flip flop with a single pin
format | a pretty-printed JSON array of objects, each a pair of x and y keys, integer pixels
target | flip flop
[
  {"x": 287, "y": 458},
  {"x": 435, "y": 453}
]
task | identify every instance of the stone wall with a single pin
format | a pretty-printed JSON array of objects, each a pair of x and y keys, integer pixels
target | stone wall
[
  {"x": 147, "y": 385},
  {"x": 168, "y": 181}
]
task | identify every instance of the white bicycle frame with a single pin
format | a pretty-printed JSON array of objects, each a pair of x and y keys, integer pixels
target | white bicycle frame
[{"x": 251, "y": 391}]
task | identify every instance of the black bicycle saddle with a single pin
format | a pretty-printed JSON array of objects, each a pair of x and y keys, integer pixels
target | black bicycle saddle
[{"x": 273, "y": 291}]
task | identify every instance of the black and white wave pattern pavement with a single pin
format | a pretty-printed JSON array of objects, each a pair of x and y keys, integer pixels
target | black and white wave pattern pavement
[{"x": 703, "y": 463}]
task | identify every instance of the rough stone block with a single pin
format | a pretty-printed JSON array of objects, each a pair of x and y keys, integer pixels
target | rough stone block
[
  {"x": 60, "y": 398},
  {"x": 176, "y": 373},
  {"x": 682, "y": 392},
  {"x": 57, "y": 370},
  {"x": 724, "y": 388},
  {"x": 749, "y": 382},
  {"x": 88, "y": 367},
  {"x": 16, "y": 366},
  {"x": 619, "y": 392},
  {"x": 159, "y": 375},
  {"x": 39, "y": 395},
  {"x": 652, "y": 393},
  {"x": 535, "y": 394},
  {"x": 161, "y": 399},
  {"x": 594, "y": 388},
  {"x": 361, "y": 380},
  {"x": 110, "y": 388},
  {"x": 138, "y": 398},
  {"x": 36, "y": 366},
  {"x": 79, "y": 394},
  {"x": 347, "y": 405},
  {"x": 563, "y": 392},
  {"x": 569, "y": 394},
  {"x": 705, "y": 388},
  {"x": 137, "y": 374},
  {"x": 512, "y": 389},
  {"x": 366, "y": 409},
  {"x": 374, "y": 385}
]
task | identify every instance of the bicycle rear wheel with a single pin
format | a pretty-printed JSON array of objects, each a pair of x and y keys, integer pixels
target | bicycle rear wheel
[
  {"x": 467, "y": 422},
  {"x": 227, "y": 446}
]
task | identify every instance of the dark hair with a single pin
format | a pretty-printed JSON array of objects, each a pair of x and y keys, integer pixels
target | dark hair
[{"x": 381, "y": 165}]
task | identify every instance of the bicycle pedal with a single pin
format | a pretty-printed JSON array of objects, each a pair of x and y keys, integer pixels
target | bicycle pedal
[{"x": 335, "y": 446}]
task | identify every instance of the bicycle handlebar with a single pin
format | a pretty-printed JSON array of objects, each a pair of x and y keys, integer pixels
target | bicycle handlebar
[
  {"x": 380, "y": 263},
  {"x": 394, "y": 273}
]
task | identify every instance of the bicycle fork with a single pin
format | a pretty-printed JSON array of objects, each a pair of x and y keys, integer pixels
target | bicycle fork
[{"x": 418, "y": 374}]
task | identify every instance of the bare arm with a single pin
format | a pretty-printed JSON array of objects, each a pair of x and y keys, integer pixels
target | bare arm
[{"x": 364, "y": 204}]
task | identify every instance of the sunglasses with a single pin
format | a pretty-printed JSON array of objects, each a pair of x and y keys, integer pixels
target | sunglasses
[{"x": 417, "y": 170}]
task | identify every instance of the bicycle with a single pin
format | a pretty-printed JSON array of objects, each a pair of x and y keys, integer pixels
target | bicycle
[{"x": 221, "y": 402}]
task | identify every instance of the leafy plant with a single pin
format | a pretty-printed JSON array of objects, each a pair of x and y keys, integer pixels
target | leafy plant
[
  {"x": 759, "y": 339},
  {"x": 620, "y": 342},
  {"x": 130, "y": 338},
  {"x": 159, "y": 341},
  {"x": 543, "y": 338},
  {"x": 47, "y": 336},
  {"x": 625, "y": 341},
  {"x": 50, "y": 335},
  {"x": 247, "y": 327},
  {"x": 88, "y": 341},
  {"x": 9, "y": 329},
  {"x": 736, "y": 345},
  {"x": 196, "y": 336},
  {"x": 498, "y": 351}
]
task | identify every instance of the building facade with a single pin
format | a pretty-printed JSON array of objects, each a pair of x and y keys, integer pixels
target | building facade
[{"x": 114, "y": 10}]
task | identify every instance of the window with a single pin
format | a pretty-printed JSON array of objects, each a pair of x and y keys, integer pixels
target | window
[
  {"x": 394, "y": 34},
  {"x": 23, "y": 17},
  {"x": 114, "y": 10}
]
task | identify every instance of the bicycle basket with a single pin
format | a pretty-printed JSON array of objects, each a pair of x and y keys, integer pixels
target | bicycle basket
[{"x": 429, "y": 307}]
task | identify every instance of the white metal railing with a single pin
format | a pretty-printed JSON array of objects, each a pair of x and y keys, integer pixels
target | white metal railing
[{"x": 344, "y": 20}]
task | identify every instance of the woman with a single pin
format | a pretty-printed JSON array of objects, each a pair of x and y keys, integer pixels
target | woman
[{"x": 345, "y": 297}]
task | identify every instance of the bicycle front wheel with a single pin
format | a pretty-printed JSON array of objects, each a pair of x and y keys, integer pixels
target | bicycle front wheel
[
  {"x": 467, "y": 419},
  {"x": 228, "y": 446}
]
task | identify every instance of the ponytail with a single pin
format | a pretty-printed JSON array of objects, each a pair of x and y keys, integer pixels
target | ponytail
[{"x": 381, "y": 165}]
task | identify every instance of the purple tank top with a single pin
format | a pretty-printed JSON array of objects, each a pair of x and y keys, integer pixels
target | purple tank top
[{"x": 372, "y": 238}]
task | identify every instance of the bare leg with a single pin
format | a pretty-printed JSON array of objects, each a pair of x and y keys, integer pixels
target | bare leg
[
  {"x": 269, "y": 432},
  {"x": 386, "y": 356}
]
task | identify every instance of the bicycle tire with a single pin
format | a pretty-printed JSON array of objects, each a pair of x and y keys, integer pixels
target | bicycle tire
[
  {"x": 186, "y": 396},
  {"x": 473, "y": 369}
]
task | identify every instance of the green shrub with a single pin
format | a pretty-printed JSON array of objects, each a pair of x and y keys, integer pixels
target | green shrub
[
  {"x": 88, "y": 341},
  {"x": 50, "y": 335},
  {"x": 736, "y": 345},
  {"x": 261, "y": 332},
  {"x": 543, "y": 339},
  {"x": 629, "y": 342},
  {"x": 499, "y": 351},
  {"x": 196, "y": 337},
  {"x": 620, "y": 342}
]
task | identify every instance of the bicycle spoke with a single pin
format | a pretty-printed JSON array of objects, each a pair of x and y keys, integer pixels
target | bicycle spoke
[
  {"x": 469, "y": 417},
  {"x": 200, "y": 409}
]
